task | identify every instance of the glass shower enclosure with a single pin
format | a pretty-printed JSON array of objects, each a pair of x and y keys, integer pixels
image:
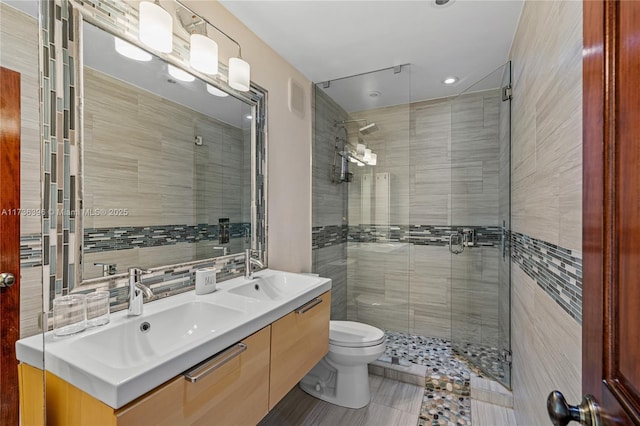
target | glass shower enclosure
[{"x": 417, "y": 241}]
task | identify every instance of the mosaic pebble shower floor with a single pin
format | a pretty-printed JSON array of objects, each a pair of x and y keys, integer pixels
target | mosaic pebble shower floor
[{"x": 447, "y": 391}]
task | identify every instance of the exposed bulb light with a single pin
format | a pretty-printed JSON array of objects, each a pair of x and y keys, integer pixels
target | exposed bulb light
[
  {"x": 203, "y": 54},
  {"x": 155, "y": 27},
  {"x": 215, "y": 91},
  {"x": 130, "y": 51},
  {"x": 450, "y": 80},
  {"x": 239, "y": 74},
  {"x": 179, "y": 74}
]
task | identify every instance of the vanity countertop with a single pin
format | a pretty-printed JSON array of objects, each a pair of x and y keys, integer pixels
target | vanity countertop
[{"x": 122, "y": 360}]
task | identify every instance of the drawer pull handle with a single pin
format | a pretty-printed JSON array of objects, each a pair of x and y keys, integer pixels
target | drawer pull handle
[
  {"x": 206, "y": 367},
  {"x": 308, "y": 306}
]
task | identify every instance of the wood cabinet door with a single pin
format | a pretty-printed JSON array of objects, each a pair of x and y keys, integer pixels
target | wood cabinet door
[
  {"x": 611, "y": 209},
  {"x": 298, "y": 341}
]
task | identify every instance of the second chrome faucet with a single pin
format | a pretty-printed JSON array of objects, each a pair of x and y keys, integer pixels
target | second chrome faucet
[
  {"x": 137, "y": 291},
  {"x": 249, "y": 262}
]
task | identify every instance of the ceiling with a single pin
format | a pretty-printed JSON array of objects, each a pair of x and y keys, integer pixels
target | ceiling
[{"x": 328, "y": 40}]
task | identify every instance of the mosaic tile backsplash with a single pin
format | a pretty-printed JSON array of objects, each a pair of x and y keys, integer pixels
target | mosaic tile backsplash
[{"x": 123, "y": 238}]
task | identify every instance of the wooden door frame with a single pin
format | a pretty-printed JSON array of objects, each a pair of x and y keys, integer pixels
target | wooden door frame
[
  {"x": 10, "y": 128},
  {"x": 600, "y": 292}
]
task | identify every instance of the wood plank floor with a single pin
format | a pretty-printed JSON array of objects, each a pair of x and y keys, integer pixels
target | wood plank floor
[{"x": 392, "y": 403}]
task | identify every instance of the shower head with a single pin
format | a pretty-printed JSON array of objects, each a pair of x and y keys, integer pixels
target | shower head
[{"x": 369, "y": 128}]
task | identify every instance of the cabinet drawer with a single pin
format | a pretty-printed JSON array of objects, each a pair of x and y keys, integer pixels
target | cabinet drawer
[
  {"x": 298, "y": 341},
  {"x": 233, "y": 393}
]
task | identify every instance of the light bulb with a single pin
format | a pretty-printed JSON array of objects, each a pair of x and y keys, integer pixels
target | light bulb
[
  {"x": 203, "y": 54},
  {"x": 215, "y": 91},
  {"x": 179, "y": 74},
  {"x": 239, "y": 74},
  {"x": 130, "y": 51},
  {"x": 155, "y": 27}
]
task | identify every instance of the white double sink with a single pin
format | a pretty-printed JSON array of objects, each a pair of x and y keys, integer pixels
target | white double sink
[{"x": 120, "y": 361}]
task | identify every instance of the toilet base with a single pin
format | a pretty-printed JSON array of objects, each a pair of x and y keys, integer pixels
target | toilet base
[{"x": 347, "y": 387}]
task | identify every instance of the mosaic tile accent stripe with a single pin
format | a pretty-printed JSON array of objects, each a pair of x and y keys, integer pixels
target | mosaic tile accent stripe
[
  {"x": 429, "y": 235},
  {"x": 30, "y": 250},
  {"x": 327, "y": 236},
  {"x": 557, "y": 270},
  {"x": 59, "y": 85},
  {"x": 123, "y": 238}
]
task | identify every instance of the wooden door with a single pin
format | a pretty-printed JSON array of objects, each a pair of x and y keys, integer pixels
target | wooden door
[
  {"x": 9, "y": 242},
  {"x": 611, "y": 206}
]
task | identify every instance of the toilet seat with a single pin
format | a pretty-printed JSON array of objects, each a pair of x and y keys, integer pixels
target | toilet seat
[{"x": 352, "y": 334}]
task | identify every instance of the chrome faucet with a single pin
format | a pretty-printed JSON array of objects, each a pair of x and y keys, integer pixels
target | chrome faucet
[
  {"x": 249, "y": 262},
  {"x": 137, "y": 291}
]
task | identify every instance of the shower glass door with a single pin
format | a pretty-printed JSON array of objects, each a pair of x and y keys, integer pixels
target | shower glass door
[{"x": 480, "y": 220}]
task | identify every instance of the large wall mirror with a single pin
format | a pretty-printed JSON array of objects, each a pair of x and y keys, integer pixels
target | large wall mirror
[{"x": 171, "y": 161}]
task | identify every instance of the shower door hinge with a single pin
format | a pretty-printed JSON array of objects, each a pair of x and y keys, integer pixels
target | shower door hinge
[
  {"x": 506, "y": 356},
  {"x": 506, "y": 92}
]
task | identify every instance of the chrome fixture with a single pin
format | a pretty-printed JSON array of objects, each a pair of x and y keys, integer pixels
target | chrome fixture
[
  {"x": 249, "y": 262},
  {"x": 225, "y": 250},
  {"x": 7, "y": 279},
  {"x": 340, "y": 172},
  {"x": 204, "y": 51},
  {"x": 107, "y": 268},
  {"x": 463, "y": 237},
  {"x": 137, "y": 291},
  {"x": 368, "y": 128}
]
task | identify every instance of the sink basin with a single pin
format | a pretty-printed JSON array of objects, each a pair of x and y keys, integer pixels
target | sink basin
[
  {"x": 258, "y": 289},
  {"x": 272, "y": 287},
  {"x": 140, "y": 339}
]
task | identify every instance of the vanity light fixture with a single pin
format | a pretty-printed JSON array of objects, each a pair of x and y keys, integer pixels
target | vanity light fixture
[
  {"x": 216, "y": 92},
  {"x": 203, "y": 54},
  {"x": 239, "y": 77},
  {"x": 450, "y": 80},
  {"x": 179, "y": 74},
  {"x": 155, "y": 27},
  {"x": 130, "y": 51}
]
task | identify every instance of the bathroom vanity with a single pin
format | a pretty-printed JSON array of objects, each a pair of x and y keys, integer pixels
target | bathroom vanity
[{"x": 244, "y": 363}]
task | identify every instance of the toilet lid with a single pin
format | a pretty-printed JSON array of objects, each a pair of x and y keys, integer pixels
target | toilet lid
[{"x": 354, "y": 334}]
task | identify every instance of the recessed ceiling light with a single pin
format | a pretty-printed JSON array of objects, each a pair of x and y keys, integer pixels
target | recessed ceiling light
[
  {"x": 450, "y": 80},
  {"x": 130, "y": 51},
  {"x": 375, "y": 94},
  {"x": 179, "y": 74},
  {"x": 248, "y": 117},
  {"x": 215, "y": 91}
]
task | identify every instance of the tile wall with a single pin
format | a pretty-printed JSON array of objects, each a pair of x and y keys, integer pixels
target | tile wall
[
  {"x": 547, "y": 207},
  {"x": 19, "y": 52},
  {"x": 329, "y": 209},
  {"x": 162, "y": 213}
]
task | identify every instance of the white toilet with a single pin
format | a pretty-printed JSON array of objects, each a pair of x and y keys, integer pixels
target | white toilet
[{"x": 342, "y": 376}]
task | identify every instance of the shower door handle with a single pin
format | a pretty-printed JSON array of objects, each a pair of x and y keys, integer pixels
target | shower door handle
[{"x": 457, "y": 236}]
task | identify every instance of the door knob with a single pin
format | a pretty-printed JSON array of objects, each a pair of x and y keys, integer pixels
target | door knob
[
  {"x": 7, "y": 279},
  {"x": 562, "y": 413}
]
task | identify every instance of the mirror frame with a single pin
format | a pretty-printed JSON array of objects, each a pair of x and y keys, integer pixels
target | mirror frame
[{"x": 119, "y": 19}]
